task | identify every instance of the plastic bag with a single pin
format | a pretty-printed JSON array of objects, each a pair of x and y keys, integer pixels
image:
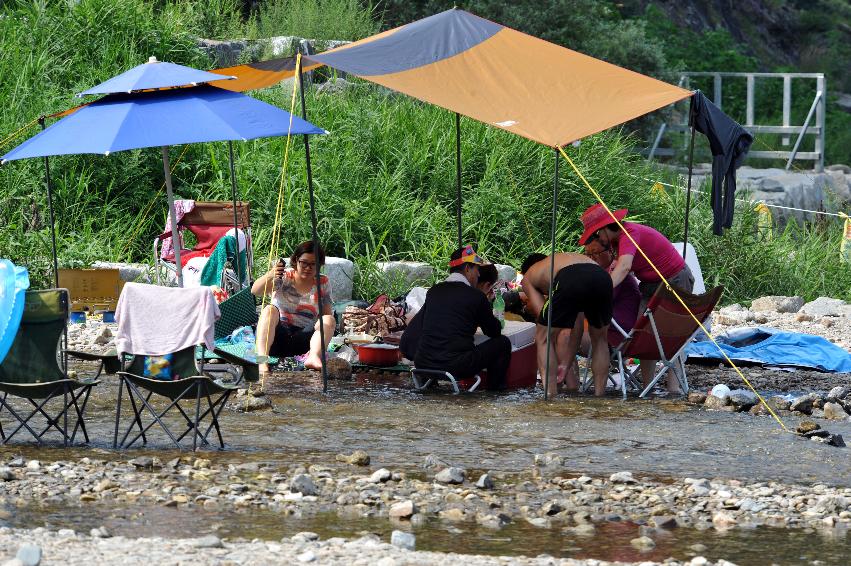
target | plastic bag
[{"x": 415, "y": 300}]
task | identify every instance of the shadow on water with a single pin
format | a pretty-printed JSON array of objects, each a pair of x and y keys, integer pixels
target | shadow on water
[{"x": 609, "y": 541}]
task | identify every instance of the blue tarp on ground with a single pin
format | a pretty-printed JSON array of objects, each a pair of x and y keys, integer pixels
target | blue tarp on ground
[{"x": 772, "y": 347}]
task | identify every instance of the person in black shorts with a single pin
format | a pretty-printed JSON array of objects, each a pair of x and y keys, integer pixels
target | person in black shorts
[{"x": 582, "y": 290}]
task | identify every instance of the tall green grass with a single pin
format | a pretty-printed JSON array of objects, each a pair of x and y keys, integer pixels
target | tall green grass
[{"x": 384, "y": 177}]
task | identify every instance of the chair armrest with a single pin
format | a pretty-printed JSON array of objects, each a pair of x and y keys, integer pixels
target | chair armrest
[
  {"x": 110, "y": 360},
  {"x": 250, "y": 370}
]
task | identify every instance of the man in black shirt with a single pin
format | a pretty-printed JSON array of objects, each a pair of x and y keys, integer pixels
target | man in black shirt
[{"x": 452, "y": 312}]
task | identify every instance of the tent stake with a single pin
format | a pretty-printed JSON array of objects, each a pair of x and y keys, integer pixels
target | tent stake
[
  {"x": 235, "y": 223},
  {"x": 458, "y": 178},
  {"x": 546, "y": 377},
  {"x": 690, "y": 169},
  {"x": 50, "y": 208},
  {"x": 318, "y": 269},
  {"x": 175, "y": 240}
]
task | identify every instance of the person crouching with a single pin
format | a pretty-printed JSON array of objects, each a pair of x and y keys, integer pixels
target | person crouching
[{"x": 452, "y": 312}]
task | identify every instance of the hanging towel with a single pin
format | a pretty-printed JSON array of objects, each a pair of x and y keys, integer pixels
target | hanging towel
[
  {"x": 730, "y": 144},
  {"x": 155, "y": 321},
  {"x": 225, "y": 251},
  {"x": 181, "y": 208}
]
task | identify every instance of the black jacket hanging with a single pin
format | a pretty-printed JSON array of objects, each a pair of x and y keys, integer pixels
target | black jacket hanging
[{"x": 729, "y": 143}]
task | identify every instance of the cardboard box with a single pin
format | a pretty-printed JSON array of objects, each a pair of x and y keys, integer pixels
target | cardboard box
[{"x": 92, "y": 289}]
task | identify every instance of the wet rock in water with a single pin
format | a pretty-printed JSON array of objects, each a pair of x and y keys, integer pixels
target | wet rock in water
[
  {"x": 807, "y": 426},
  {"x": 99, "y": 532},
  {"x": 715, "y": 403},
  {"x": 838, "y": 393},
  {"x": 404, "y": 540},
  {"x": 553, "y": 507},
  {"x": 820, "y": 433},
  {"x": 622, "y": 477},
  {"x": 485, "y": 482},
  {"x": 357, "y": 458},
  {"x": 550, "y": 459},
  {"x": 835, "y": 412},
  {"x": 29, "y": 555},
  {"x": 339, "y": 369},
  {"x": 248, "y": 402},
  {"x": 6, "y": 474},
  {"x": 143, "y": 462},
  {"x": 432, "y": 461},
  {"x": 493, "y": 521},
  {"x": 643, "y": 543},
  {"x": 723, "y": 520},
  {"x": 664, "y": 522},
  {"x": 208, "y": 541},
  {"x": 802, "y": 404},
  {"x": 777, "y": 304},
  {"x": 836, "y": 440},
  {"x": 758, "y": 410},
  {"x": 403, "y": 509},
  {"x": 824, "y": 306},
  {"x": 451, "y": 475},
  {"x": 380, "y": 476},
  {"x": 743, "y": 399},
  {"x": 697, "y": 397},
  {"x": 302, "y": 483},
  {"x": 779, "y": 403}
]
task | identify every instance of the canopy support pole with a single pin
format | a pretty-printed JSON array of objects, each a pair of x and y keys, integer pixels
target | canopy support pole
[
  {"x": 458, "y": 178},
  {"x": 175, "y": 240},
  {"x": 235, "y": 221},
  {"x": 50, "y": 208},
  {"x": 546, "y": 376},
  {"x": 322, "y": 353},
  {"x": 690, "y": 170}
]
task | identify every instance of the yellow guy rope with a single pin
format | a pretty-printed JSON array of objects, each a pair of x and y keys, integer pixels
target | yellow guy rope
[
  {"x": 668, "y": 285},
  {"x": 14, "y": 134}
]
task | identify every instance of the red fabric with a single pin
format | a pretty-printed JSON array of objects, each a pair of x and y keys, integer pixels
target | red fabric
[{"x": 657, "y": 247}]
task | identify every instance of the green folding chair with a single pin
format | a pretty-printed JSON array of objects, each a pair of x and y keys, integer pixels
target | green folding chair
[
  {"x": 31, "y": 371},
  {"x": 188, "y": 384}
]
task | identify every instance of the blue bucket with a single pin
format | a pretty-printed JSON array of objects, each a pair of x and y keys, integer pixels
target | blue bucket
[
  {"x": 109, "y": 316},
  {"x": 78, "y": 317}
]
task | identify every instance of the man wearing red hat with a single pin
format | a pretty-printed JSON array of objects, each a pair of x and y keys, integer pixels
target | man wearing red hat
[{"x": 602, "y": 225}]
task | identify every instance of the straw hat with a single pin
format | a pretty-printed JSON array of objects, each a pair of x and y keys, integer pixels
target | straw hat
[{"x": 596, "y": 217}]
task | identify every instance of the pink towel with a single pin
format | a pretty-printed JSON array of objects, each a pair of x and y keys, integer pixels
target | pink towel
[
  {"x": 155, "y": 321},
  {"x": 181, "y": 208}
]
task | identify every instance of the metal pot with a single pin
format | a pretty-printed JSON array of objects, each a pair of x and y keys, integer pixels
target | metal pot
[{"x": 381, "y": 355}]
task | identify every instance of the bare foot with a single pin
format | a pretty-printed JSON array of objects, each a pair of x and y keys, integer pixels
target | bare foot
[{"x": 313, "y": 362}]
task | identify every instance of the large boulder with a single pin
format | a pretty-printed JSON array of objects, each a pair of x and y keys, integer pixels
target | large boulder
[
  {"x": 824, "y": 306},
  {"x": 341, "y": 274},
  {"x": 410, "y": 272},
  {"x": 506, "y": 272},
  {"x": 777, "y": 304}
]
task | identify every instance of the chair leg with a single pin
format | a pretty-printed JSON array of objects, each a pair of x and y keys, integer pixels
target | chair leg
[
  {"x": 137, "y": 418},
  {"x": 81, "y": 423},
  {"x": 2, "y": 433},
  {"x": 197, "y": 413},
  {"x": 39, "y": 408},
  {"x": 133, "y": 390},
  {"x": 118, "y": 411},
  {"x": 65, "y": 416}
]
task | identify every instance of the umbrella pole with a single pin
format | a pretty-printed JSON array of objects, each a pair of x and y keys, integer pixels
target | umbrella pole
[
  {"x": 235, "y": 222},
  {"x": 175, "y": 241},
  {"x": 322, "y": 353},
  {"x": 458, "y": 178},
  {"x": 690, "y": 170},
  {"x": 52, "y": 219},
  {"x": 546, "y": 376}
]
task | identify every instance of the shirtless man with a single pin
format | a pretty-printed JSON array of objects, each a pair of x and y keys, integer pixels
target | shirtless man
[{"x": 580, "y": 287}]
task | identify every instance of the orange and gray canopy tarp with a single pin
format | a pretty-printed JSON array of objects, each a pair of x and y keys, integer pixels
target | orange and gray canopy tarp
[{"x": 491, "y": 73}]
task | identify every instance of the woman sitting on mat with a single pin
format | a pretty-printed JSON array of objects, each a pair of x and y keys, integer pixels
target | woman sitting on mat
[{"x": 289, "y": 326}]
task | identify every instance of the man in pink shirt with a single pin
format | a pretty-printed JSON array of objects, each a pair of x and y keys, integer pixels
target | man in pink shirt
[{"x": 599, "y": 225}]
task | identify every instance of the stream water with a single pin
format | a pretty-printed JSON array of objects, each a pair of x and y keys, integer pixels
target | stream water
[{"x": 481, "y": 432}]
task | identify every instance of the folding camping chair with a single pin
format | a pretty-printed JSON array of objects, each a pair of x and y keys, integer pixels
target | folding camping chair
[
  {"x": 663, "y": 332},
  {"x": 626, "y": 380},
  {"x": 31, "y": 370},
  {"x": 435, "y": 375},
  {"x": 208, "y": 222},
  {"x": 191, "y": 384}
]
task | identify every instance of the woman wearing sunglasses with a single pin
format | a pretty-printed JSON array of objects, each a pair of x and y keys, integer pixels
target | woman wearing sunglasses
[{"x": 289, "y": 326}]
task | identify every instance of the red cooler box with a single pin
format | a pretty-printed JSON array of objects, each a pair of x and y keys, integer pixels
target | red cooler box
[{"x": 523, "y": 369}]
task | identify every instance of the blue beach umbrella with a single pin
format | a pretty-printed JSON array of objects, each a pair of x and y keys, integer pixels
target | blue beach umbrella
[
  {"x": 154, "y": 75},
  {"x": 119, "y": 122}
]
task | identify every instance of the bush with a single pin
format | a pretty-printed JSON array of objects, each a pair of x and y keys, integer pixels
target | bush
[{"x": 317, "y": 19}]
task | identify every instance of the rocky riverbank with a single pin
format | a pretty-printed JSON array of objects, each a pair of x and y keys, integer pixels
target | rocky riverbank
[
  {"x": 544, "y": 496},
  {"x": 69, "y": 548}
]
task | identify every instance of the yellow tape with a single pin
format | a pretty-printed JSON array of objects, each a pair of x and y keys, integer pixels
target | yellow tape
[
  {"x": 658, "y": 190},
  {"x": 845, "y": 245},
  {"x": 765, "y": 223},
  {"x": 668, "y": 285},
  {"x": 15, "y": 134}
]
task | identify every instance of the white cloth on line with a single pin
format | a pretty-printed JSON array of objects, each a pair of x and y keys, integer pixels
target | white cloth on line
[{"x": 155, "y": 321}]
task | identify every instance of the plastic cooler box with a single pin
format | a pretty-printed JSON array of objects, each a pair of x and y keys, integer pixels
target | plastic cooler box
[{"x": 523, "y": 369}]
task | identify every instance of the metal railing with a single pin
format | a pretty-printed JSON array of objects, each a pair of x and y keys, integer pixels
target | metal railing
[{"x": 817, "y": 109}]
